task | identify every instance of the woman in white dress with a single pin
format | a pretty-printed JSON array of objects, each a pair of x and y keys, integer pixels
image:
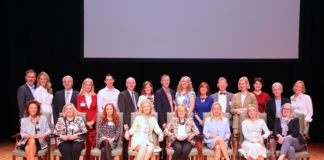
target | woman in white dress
[
  {"x": 142, "y": 131},
  {"x": 252, "y": 127},
  {"x": 44, "y": 94},
  {"x": 146, "y": 93}
]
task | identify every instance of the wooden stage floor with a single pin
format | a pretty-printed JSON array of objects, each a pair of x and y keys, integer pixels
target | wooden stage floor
[{"x": 316, "y": 150}]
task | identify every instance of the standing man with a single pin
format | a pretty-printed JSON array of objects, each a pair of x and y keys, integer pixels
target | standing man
[
  {"x": 26, "y": 91},
  {"x": 108, "y": 94},
  {"x": 222, "y": 96},
  {"x": 164, "y": 102},
  {"x": 127, "y": 103},
  {"x": 65, "y": 96}
]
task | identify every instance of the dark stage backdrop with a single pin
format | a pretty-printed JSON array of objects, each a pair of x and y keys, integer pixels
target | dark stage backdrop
[{"x": 45, "y": 36}]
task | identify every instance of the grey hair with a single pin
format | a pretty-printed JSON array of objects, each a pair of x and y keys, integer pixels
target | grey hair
[
  {"x": 277, "y": 84},
  {"x": 67, "y": 76},
  {"x": 292, "y": 113}
]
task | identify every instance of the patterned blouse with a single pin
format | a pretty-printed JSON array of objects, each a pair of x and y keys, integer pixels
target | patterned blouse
[
  {"x": 109, "y": 130},
  {"x": 184, "y": 98},
  {"x": 172, "y": 130},
  {"x": 65, "y": 127}
]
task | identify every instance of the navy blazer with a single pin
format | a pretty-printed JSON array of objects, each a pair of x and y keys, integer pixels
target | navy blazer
[
  {"x": 24, "y": 94},
  {"x": 162, "y": 105},
  {"x": 125, "y": 105},
  {"x": 293, "y": 129},
  {"x": 59, "y": 102},
  {"x": 270, "y": 109}
]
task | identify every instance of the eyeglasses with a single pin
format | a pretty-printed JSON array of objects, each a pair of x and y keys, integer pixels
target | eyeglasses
[{"x": 286, "y": 108}]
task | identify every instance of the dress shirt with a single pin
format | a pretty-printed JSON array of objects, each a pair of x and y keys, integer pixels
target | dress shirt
[
  {"x": 303, "y": 104},
  {"x": 222, "y": 99},
  {"x": 107, "y": 95},
  {"x": 68, "y": 95},
  {"x": 88, "y": 99},
  {"x": 32, "y": 88}
]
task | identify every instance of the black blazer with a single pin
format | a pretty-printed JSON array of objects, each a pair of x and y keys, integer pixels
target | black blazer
[
  {"x": 293, "y": 129},
  {"x": 270, "y": 109},
  {"x": 24, "y": 94},
  {"x": 162, "y": 105},
  {"x": 126, "y": 105},
  {"x": 59, "y": 102}
]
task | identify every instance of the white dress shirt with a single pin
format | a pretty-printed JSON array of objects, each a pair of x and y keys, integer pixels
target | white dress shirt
[
  {"x": 107, "y": 95},
  {"x": 88, "y": 99},
  {"x": 303, "y": 104},
  {"x": 222, "y": 99}
]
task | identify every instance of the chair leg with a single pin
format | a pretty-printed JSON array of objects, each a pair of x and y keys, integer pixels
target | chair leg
[{"x": 13, "y": 157}]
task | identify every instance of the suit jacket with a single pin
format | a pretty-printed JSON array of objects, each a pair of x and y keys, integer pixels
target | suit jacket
[
  {"x": 162, "y": 105},
  {"x": 236, "y": 103},
  {"x": 24, "y": 94},
  {"x": 59, "y": 102},
  {"x": 271, "y": 111},
  {"x": 125, "y": 105},
  {"x": 229, "y": 97},
  {"x": 90, "y": 111},
  {"x": 293, "y": 129}
]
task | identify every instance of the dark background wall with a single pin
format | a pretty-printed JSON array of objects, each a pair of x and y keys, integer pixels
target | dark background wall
[{"x": 45, "y": 36}]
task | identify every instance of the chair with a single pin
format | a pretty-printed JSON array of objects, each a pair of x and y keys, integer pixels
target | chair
[
  {"x": 243, "y": 117},
  {"x": 96, "y": 152},
  {"x": 132, "y": 153},
  {"x": 208, "y": 152},
  {"x": 57, "y": 152},
  {"x": 41, "y": 154},
  {"x": 169, "y": 151},
  {"x": 305, "y": 153}
]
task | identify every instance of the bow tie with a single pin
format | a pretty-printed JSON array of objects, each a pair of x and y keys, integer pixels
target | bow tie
[{"x": 224, "y": 93}]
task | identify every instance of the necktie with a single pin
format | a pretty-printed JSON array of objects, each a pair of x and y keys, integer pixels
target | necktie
[
  {"x": 67, "y": 97},
  {"x": 222, "y": 93},
  {"x": 134, "y": 102}
]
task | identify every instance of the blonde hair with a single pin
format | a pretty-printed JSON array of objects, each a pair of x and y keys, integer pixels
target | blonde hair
[
  {"x": 246, "y": 80},
  {"x": 214, "y": 105},
  {"x": 256, "y": 109},
  {"x": 141, "y": 107},
  {"x": 179, "y": 107},
  {"x": 83, "y": 83},
  {"x": 67, "y": 105},
  {"x": 179, "y": 87},
  {"x": 303, "y": 85},
  {"x": 292, "y": 113},
  {"x": 48, "y": 84}
]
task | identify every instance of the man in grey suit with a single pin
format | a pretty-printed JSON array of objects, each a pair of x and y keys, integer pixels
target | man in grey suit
[
  {"x": 222, "y": 96},
  {"x": 65, "y": 96},
  {"x": 26, "y": 91},
  {"x": 127, "y": 103}
]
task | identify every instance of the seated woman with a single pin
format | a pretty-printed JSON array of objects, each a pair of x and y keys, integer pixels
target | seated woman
[
  {"x": 70, "y": 129},
  {"x": 108, "y": 131},
  {"x": 287, "y": 131},
  {"x": 181, "y": 132},
  {"x": 33, "y": 130},
  {"x": 252, "y": 127},
  {"x": 142, "y": 131},
  {"x": 217, "y": 132}
]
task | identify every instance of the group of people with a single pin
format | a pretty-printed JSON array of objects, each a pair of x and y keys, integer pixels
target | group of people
[{"x": 183, "y": 131}]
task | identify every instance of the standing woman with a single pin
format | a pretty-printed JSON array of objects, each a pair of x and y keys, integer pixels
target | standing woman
[
  {"x": 147, "y": 92},
  {"x": 185, "y": 94},
  {"x": 87, "y": 102},
  {"x": 142, "y": 130},
  {"x": 217, "y": 132},
  {"x": 181, "y": 132},
  {"x": 44, "y": 94},
  {"x": 70, "y": 129},
  {"x": 302, "y": 103},
  {"x": 240, "y": 101},
  {"x": 261, "y": 97},
  {"x": 252, "y": 128},
  {"x": 33, "y": 130},
  {"x": 108, "y": 131}
]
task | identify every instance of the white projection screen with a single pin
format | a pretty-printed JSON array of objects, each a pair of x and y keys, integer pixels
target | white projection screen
[{"x": 191, "y": 29}]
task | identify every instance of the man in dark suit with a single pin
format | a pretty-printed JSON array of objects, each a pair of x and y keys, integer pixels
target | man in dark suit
[
  {"x": 163, "y": 103},
  {"x": 25, "y": 92},
  {"x": 273, "y": 105},
  {"x": 127, "y": 103},
  {"x": 65, "y": 96}
]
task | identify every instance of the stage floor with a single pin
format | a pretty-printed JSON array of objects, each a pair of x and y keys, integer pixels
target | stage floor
[{"x": 316, "y": 150}]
